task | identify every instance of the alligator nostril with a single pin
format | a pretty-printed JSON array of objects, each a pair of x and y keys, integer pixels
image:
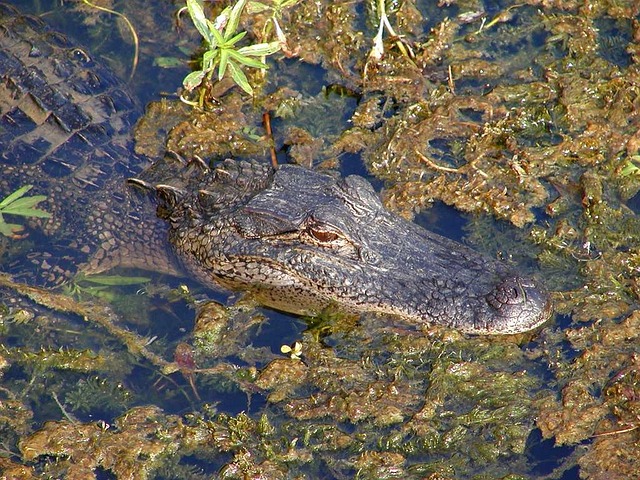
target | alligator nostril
[
  {"x": 518, "y": 294},
  {"x": 520, "y": 305},
  {"x": 508, "y": 292}
]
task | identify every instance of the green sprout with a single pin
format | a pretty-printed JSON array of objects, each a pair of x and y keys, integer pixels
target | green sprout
[
  {"x": 222, "y": 53},
  {"x": 18, "y": 204},
  {"x": 275, "y": 9},
  {"x": 631, "y": 166},
  {"x": 377, "y": 51}
]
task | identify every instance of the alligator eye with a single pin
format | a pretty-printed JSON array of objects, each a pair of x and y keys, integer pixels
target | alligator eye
[{"x": 322, "y": 235}]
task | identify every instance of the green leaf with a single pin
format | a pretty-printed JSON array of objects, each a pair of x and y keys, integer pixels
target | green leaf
[
  {"x": 219, "y": 39},
  {"x": 199, "y": 20},
  {"x": 249, "y": 62},
  {"x": 224, "y": 56},
  {"x": 194, "y": 79},
  {"x": 32, "y": 212},
  {"x": 260, "y": 49},
  {"x": 167, "y": 62},
  {"x": 287, "y": 3},
  {"x": 209, "y": 59},
  {"x": 24, "y": 206},
  {"x": 18, "y": 204},
  {"x": 222, "y": 38},
  {"x": 234, "y": 40},
  {"x": 234, "y": 19},
  {"x": 15, "y": 195},
  {"x": 240, "y": 78},
  {"x": 257, "y": 7},
  {"x": 212, "y": 26},
  {"x": 629, "y": 169},
  {"x": 9, "y": 229}
]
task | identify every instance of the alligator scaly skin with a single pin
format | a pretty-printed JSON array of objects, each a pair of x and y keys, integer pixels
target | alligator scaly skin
[{"x": 65, "y": 127}]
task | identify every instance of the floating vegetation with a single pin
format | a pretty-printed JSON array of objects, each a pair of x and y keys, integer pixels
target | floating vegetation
[
  {"x": 98, "y": 394},
  {"x": 101, "y": 285}
]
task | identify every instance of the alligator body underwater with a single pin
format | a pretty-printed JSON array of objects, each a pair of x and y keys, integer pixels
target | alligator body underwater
[
  {"x": 297, "y": 239},
  {"x": 65, "y": 128}
]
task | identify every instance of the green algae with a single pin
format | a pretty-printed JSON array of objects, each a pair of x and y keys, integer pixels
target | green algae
[{"x": 138, "y": 441}]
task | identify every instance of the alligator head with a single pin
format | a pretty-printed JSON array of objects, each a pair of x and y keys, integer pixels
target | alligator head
[{"x": 301, "y": 240}]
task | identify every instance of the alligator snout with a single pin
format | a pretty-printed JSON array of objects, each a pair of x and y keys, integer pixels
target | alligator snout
[{"x": 520, "y": 304}]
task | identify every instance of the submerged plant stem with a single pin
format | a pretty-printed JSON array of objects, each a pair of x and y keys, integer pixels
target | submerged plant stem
[
  {"x": 136, "y": 42},
  {"x": 97, "y": 314}
]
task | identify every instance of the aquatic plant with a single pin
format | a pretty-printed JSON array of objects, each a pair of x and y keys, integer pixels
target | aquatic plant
[
  {"x": 222, "y": 53},
  {"x": 377, "y": 51},
  {"x": 275, "y": 9},
  {"x": 294, "y": 350},
  {"x": 132, "y": 30},
  {"x": 101, "y": 285},
  {"x": 17, "y": 204},
  {"x": 553, "y": 148}
]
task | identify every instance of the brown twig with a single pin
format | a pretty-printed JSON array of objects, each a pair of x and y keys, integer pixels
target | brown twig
[
  {"x": 434, "y": 165},
  {"x": 266, "y": 120},
  {"x": 617, "y": 432}
]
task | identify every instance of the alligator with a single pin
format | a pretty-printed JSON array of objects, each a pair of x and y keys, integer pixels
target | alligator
[{"x": 298, "y": 240}]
